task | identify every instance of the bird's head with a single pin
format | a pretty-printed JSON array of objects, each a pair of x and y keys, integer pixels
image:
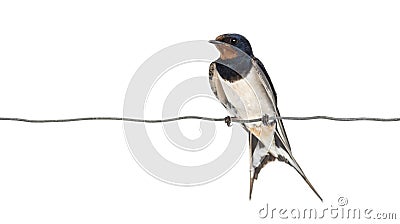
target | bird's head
[{"x": 236, "y": 40}]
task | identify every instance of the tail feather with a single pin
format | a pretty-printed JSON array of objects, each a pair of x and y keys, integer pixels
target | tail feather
[
  {"x": 252, "y": 143},
  {"x": 255, "y": 144},
  {"x": 251, "y": 185},
  {"x": 280, "y": 153},
  {"x": 297, "y": 167},
  {"x": 289, "y": 159}
]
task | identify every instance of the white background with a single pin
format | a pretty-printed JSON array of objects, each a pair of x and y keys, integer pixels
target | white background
[{"x": 71, "y": 59}]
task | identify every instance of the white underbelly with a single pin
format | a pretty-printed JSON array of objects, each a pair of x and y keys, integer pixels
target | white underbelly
[
  {"x": 248, "y": 96},
  {"x": 250, "y": 100}
]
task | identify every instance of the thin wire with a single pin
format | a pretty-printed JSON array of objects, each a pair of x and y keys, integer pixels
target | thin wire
[
  {"x": 340, "y": 118},
  {"x": 233, "y": 119}
]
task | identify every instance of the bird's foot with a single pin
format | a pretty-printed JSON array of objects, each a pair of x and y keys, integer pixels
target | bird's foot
[
  {"x": 267, "y": 120},
  {"x": 228, "y": 121}
]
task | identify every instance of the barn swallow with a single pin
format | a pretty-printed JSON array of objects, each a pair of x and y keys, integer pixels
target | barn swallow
[{"x": 241, "y": 83}]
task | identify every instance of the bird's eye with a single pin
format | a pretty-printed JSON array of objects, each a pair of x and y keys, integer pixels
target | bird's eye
[{"x": 234, "y": 41}]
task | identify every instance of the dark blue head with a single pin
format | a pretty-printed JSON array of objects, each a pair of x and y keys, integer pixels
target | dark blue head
[{"x": 238, "y": 41}]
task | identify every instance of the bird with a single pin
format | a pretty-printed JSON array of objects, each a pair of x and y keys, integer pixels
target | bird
[{"x": 241, "y": 83}]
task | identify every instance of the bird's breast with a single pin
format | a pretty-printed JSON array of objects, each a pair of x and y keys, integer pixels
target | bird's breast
[{"x": 248, "y": 96}]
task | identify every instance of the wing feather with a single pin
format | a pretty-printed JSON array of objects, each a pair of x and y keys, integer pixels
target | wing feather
[
  {"x": 281, "y": 139},
  {"x": 266, "y": 81}
]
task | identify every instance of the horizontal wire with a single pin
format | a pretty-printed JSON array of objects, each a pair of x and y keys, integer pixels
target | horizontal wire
[
  {"x": 233, "y": 119},
  {"x": 340, "y": 118}
]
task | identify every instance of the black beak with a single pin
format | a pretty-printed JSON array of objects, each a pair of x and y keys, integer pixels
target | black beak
[{"x": 214, "y": 42}]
